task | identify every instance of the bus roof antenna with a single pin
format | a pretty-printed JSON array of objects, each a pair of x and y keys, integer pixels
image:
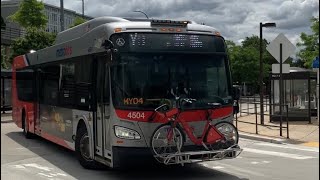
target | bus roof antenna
[{"x": 142, "y": 13}]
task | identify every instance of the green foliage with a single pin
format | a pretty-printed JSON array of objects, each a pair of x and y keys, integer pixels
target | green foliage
[
  {"x": 295, "y": 62},
  {"x": 245, "y": 60},
  {"x": 4, "y": 59},
  {"x": 33, "y": 40},
  {"x": 30, "y": 14},
  {"x": 309, "y": 44},
  {"x": 77, "y": 22}
]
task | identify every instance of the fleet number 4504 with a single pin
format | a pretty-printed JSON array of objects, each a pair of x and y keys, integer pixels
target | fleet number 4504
[{"x": 136, "y": 115}]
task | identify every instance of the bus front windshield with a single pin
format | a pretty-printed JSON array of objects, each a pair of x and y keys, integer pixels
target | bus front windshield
[{"x": 148, "y": 80}]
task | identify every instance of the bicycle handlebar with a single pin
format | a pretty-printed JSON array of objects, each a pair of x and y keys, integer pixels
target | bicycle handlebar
[{"x": 163, "y": 105}]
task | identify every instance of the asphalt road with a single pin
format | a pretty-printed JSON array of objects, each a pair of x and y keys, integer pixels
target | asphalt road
[{"x": 38, "y": 159}]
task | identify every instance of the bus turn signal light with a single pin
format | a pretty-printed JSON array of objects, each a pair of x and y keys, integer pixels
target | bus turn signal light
[
  {"x": 217, "y": 33},
  {"x": 117, "y": 30}
]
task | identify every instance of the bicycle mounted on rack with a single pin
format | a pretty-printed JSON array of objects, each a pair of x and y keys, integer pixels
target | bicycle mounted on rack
[{"x": 219, "y": 141}]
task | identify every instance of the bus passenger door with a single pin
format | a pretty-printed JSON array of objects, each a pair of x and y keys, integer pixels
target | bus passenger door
[{"x": 102, "y": 121}]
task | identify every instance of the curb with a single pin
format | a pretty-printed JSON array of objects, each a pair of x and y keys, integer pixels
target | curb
[
  {"x": 6, "y": 121},
  {"x": 261, "y": 138}
]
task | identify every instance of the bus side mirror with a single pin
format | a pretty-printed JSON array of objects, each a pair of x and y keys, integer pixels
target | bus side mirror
[
  {"x": 107, "y": 44},
  {"x": 235, "y": 93}
]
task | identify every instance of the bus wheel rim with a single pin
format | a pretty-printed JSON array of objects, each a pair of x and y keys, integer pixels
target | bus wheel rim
[{"x": 84, "y": 147}]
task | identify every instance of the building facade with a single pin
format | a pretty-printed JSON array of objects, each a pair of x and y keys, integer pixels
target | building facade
[
  {"x": 13, "y": 30},
  {"x": 53, "y": 15}
]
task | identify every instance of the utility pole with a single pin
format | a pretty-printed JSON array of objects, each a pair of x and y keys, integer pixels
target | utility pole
[
  {"x": 61, "y": 15},
  {"x": 261, "y": 70},
  {"x": 261, "y": 79}
]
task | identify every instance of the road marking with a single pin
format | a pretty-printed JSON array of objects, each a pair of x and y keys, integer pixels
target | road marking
[
  {"x": 311, "y": 144},
  {"x": 38, "y": 167},
  {"x": 19, "y": 166},
  {"x": 280, "y": 154},
  {"x": 288, "y": 147},
  {"x": 23, "y": 148},
  {"x": 244, "y": 171},
  {"x": 45, "y": 175},
  {"x": 262, "y": 162},
  {"x": 228, "y": 169},
  {"x": 217, "y": 167}
]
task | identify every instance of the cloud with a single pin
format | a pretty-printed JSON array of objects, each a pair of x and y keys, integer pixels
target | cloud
[
  {"x": 233, "y": 18},
  {"x": 295, "y": 14}
]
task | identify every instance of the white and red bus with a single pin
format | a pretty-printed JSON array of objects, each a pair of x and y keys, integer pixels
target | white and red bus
[{"x": 95, "y": 89}]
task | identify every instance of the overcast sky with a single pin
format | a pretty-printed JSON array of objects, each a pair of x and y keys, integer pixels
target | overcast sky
[{"x": 235, "y": 19}]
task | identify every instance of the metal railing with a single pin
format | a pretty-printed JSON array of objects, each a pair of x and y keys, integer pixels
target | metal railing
[
  {"x": 286, "y": 116},
  {"x": 245, "y": 101}
]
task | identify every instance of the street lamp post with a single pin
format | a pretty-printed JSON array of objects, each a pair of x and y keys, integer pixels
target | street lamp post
[{"x": 261, "y": 70}]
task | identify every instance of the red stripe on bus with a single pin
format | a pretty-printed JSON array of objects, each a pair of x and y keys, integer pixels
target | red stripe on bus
[
  {"x": 56, "y": 140},
  {"x": 189, "y": 116}
]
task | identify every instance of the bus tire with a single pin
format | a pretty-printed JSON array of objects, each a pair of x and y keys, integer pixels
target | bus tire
[
  {"x": 82, "y": 150},
  {"x": 25, "y": 126}
]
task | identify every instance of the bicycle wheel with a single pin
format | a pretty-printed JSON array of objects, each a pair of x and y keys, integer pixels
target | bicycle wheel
[
  {"x": 166, "y": 140},
  {"x": 229, "y": 131}
]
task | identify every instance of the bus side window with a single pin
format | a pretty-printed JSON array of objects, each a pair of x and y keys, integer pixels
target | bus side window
[
  {"x": 49, "y": 90},
  {"x": 25, "y": 85},
  {"x": 83, "y": 86},
  {"x": 67, "y": 84}
]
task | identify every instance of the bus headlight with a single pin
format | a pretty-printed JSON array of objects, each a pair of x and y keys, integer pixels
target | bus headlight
[{"x": 125, "y": 133}]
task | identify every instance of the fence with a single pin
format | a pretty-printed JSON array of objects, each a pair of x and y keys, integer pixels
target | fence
[
  {"x": 246, "y": 101},
  {"x": 255, "y": 106}
]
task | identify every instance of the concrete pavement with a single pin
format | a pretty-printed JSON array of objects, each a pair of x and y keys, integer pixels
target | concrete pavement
[
  {"x": 37, "y": 159},
  {"x": 300, "y": 132}
]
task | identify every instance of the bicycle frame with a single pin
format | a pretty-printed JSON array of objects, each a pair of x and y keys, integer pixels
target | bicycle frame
[{"x": 188, "y": 130}]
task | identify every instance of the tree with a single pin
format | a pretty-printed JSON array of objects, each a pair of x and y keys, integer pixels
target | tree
[
  {"x": 77, "y": 22},
  {"x": 295, "y": 62},
  {"x": 30, "y": 14},
  {"x": 244, "y": 58},
  {"x": 4, "y": 59},
  {"x": 33, "y": 40},
  {"x": 309, "y": 44}
]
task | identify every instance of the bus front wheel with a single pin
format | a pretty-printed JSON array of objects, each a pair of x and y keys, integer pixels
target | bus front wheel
[
  {"x": 83, "y": 149},
  {"x": 25, "y": 126}
]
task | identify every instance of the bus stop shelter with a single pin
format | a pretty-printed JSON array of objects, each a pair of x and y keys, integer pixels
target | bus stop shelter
[
  {"x": 299, "y": 93},
  {"x": 6, "y": 89}
]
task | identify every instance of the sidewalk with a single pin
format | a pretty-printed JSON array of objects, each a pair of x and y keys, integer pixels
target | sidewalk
[
  {"x": 300, "y": 132},
  {"x": 6, "y": 117}
]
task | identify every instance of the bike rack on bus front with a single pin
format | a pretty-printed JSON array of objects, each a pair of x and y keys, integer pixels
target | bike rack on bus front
[{"x": 192, "y": 156}]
